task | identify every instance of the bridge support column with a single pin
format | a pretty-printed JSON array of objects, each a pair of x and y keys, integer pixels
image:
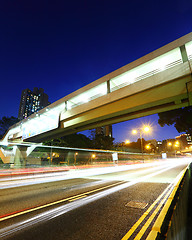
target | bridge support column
[
  {"x": 20, "y": 157},
  {"x": 70, "y": 158}
]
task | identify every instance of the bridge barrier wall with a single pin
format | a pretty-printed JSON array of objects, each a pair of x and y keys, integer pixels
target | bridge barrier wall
[{"x": 172, "y": 223}]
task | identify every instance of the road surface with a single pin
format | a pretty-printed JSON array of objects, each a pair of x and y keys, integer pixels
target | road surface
[{"x": 119, "y": 202}]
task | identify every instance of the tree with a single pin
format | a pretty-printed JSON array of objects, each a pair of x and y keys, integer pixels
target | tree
[
  {"x": 72, "y": 140},
  {"x": 132, "y": 146},
  {"x": 100, "y": 141},
  {"x": 78, "y": 140},
  {"x": 138, "y": 144},
  {"x": 5, "y": 123},
  {"x": 181, "y": 118},
  {"x": 56, "y": 142}
]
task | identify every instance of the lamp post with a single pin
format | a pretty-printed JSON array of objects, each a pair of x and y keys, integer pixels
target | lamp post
[
  {"x": 75, "y": 157},
  {"x": 169, "y": 146},
  {"x": 142, "y": 130},
  {"x": 177, "y": 145},
  {"x": 148, "y": 147},
  {"x": 93, "y": 157},
  {"x": 125, "y": 144}
]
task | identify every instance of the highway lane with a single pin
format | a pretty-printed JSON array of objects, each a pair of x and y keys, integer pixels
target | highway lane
[{"x": 85, "y": 204}]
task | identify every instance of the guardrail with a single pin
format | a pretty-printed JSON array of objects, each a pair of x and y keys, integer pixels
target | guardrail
[{"x": 171, "y": 223}]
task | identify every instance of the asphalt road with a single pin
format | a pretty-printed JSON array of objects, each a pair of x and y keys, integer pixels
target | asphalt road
[{"x": 110, "y": 203}]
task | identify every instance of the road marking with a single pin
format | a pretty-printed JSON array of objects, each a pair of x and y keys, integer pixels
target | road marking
[
  {"x": 162, "y": 197},
  {"x": 77, "y": 198},
  {"x": 153, "y": 215},
  {"x": 136, "y": 225},
  {"x": 22, "y": 212}
]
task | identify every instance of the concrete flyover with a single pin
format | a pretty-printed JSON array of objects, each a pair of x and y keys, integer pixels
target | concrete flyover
[{"x": 159, "y": 81}]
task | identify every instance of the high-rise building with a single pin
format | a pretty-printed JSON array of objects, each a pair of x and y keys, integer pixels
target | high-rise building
[
  {"x": 105, "y": 130},
  {"x": 32, "y": 101}
]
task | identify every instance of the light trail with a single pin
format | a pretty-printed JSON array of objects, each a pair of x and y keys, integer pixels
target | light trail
[
  {"x": 94, "y": 195},
  {"x": 45, "y": 178}
]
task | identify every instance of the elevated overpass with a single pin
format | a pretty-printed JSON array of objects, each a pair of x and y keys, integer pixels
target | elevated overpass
[{"x": 159, "y": 81}]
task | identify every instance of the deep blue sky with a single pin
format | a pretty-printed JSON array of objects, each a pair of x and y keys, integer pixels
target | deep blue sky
[{"x": 63, "y": 45}]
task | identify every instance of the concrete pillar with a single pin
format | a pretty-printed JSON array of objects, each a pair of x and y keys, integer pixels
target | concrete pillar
[{"x": 20, "y": 157}]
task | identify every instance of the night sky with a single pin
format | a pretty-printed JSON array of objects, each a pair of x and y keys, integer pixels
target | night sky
[{"x": 63, "y": 45}]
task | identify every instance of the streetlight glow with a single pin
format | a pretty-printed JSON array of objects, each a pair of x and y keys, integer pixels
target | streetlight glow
[
  {"x": 127, "y": 142},
  {"x": 134, "y": 131},
  {"x": 177, "y": 143},
  {"x": 146, "y": 129},
  {"x": 142, "y": 130}
]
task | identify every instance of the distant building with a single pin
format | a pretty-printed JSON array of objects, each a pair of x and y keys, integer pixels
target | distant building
[
  {"x": 32, "y": 101},
  {"x": 106, "y": 130},
  {"x": 184, "y": 139}
]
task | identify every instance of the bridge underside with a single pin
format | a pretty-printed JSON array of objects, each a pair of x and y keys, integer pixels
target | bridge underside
[{"x": 168, "y": 95}]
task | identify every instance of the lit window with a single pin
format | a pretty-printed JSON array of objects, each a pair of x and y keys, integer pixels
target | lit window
[
  {"x": 150, "y": 68},
  {"x": 88, "y": 95}
]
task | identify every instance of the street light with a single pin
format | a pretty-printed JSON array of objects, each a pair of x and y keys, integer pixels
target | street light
[
  {"x": 177, "y": 145},
  {"x": 127, "y": 141},
  {"x": 148, "y": 147},
  {"x": 93, "y": 157},
  {"x": 146, "y": 129},
  {"x": 169, "y": 143},
  {"x": 142, "y": 130},
  {"x": 169, "y": 146},
  {"x": 75, "y": 157},
  {"x": 134, "y": 131}
]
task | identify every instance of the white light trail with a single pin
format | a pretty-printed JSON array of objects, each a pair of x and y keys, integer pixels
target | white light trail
[
  {"x": 53, "y": 213},
  {"x": 51, "y": 177}
]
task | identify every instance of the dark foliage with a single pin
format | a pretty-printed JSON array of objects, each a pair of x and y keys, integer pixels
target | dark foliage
[
  {"x": 5, "y": 123},
  {"x": 181, "y": 118},
  {"x": 100, "y": 141},
  {"x": 73, "y": 140}
]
